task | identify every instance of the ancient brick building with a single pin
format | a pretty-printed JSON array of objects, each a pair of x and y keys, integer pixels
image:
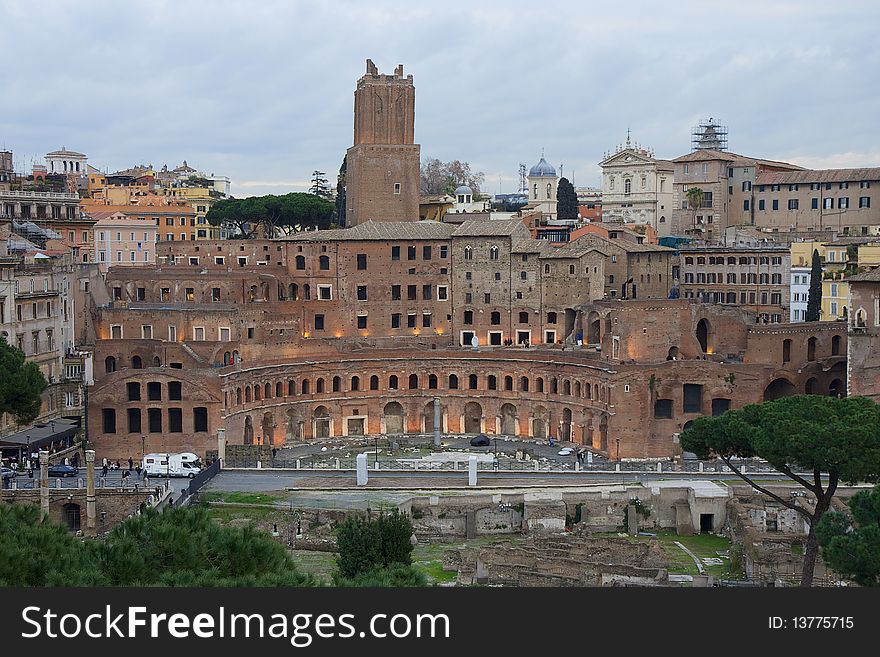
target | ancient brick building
[
  {"x": 356, "y": 331},
  {"x": 382, "y": 167},
  {"x": 863, "y": 375}
]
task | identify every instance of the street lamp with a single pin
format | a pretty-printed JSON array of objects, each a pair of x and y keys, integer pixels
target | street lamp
[
  {"x": 143, "y": 447},
  {"x": 376, "y": 443},
  {"x": 618, "y": 449}
]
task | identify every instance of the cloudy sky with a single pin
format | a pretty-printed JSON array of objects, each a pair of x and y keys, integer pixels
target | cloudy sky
[{"x": 262, "y": 91}]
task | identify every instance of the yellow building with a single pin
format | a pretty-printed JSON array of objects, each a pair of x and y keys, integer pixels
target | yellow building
[
  {"x": 840, "y": 258},
  {"x": 201, "y": 201}
]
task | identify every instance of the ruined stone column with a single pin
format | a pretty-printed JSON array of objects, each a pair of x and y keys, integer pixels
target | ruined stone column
[
  {"x": 44, "y": 484},
  {"x": 90, "y": 492},
  {"x": 221, "y": 445},
  {"x": 437, "y": 411}
]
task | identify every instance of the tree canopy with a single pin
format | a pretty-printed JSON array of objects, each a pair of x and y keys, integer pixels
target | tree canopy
[
  {"x": 816, "y": 441},
  {"x": 566, "y": 201},
  {"x": 443, "y": 177},
  {"x": 175, "y": 547},
  {"x": 367, "y": 546},
  {"x": 851, "y": 544},
  {"x": 814, "y": 299},
  {"x": 288, "y": 213},
  {"x": 21, "y": 385}
]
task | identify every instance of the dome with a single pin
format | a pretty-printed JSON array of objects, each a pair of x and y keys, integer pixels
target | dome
[
  {"x": 463, "y": 189},
  {"x": 542, "y": 169}
]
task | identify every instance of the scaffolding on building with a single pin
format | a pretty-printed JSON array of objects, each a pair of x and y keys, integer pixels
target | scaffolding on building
[{"x": 709, "y": 135}]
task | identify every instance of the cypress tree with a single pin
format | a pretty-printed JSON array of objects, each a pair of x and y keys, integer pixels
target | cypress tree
[
  {"x": 566, "y": 201},
  {"x": 814, "y": 301}
]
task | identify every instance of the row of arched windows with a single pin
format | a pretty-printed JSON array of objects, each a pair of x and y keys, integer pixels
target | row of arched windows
[{"x": 508, "y": 383}]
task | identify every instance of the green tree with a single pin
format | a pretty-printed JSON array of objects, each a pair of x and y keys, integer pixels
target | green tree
[
  {"x": 438, "y": 177},
  {"x": 394, "y": 576},
  {"x": 814, "y": 300},
  {"x": 339, "y": 212},
  {"x": 832, "y": 439},
  {"x": 566, "y": 201},
  {"x": 851, "y": 545},
  {"x": 288, "y": 213},
  {"x": 366, "y": 543},
  {"x": 177, "y": 547},
  {"x": 320, "y": 186},
  {"x": 21, "y": 385},
  {"x": 695, "y": 198}
]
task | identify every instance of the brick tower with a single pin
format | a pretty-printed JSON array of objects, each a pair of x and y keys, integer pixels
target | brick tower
[{"x": 382, "y": 168}]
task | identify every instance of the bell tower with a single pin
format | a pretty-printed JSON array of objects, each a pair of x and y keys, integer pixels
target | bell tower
[{"x": 382, "y": 167}]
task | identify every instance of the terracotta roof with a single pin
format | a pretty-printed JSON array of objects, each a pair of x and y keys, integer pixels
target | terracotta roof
[
  {"x": 734, "y": 158},
  {"x": 490, "y": 228},
  {"x": 817, "y": 176},
  {"x": 379, "y": 230},
  {"x": 630, "y": 247},
  {"x": 869, "y": 276}
]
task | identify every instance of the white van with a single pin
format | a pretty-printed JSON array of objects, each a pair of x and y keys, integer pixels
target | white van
[{"x": 185, "y": 464}]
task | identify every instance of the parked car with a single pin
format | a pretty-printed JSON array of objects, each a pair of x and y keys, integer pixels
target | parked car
[
  {"x": 7, "y": 473},
  {"x": 480, "y": 441},
  {"x": 60, "y": 470}
]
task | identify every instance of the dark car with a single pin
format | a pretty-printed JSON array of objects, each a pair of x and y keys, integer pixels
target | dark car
[
  {"x": 7, "y": 473},
  {"x": 63, "y": 471},
  {"x": 480, "y": 441}
]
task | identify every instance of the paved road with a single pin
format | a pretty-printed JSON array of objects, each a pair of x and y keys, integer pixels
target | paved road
[{"x": 255, "y": 481}]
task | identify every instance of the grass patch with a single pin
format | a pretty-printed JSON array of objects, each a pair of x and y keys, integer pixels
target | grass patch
[{"x": 238, "y": 497}]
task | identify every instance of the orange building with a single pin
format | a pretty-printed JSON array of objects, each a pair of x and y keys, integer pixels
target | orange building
[{"x": 175, "y": 219}]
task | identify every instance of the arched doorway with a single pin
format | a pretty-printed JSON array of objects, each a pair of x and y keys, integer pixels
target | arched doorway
[
  {"x": 704, "y": 335},
  {"x": 539, "y": 423},
  {"x": 565, "y": 427},
  {"x": 508, "y": 419},
  {"x": 835, "y": 388},
  {"x": 248, "y": 438},
  {"x": 594, "y": 328},
  {"x": 268, "y": 427},
  {"x": 473, "y": 416},
  {"x": 672, "y": 354},
  {"x": 393, "y": 413},
  {"x": 812, "y": 386},
  {"x": 321, "y": 422},
  {"x": 779, "y": 388},
  {"x": 71, "y": 515}
]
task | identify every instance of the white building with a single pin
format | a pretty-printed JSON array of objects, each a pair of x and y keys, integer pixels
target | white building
[
  {"x": 65, "y": 161},
  {"x": 800, "y": 293},
  {"x": 637, "y": 188},
  {"x": 463, "y": 201}
]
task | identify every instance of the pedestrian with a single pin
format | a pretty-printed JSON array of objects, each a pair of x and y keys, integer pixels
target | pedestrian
[
  {"x": 137, "y": 469},
  {"x": 104, "y": 469},
  {"x": 274, "y": 452},
  {"x": 104, "y": 462},
  {"x": 130, "y": 463},
  {"x": 117, "y": 464}
]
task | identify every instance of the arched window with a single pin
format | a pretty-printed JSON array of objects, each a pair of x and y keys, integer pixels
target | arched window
[
  {"x": 307, "y": 292},
  {"x": 300, "y": 262},
  {"x": 136, "y": 362},
  {"x": 304, "y": 387},
  {"x": 786, "y": 351},
  {"x": 337, "y": 384},
  {"x": 524, "y": 384},
  {"x": 413, "y": 381},
  {"x": 523, "y": 318},
  {"x": 392, "y": 382},
  {"x": 324, "y": 263},
  {"x": 566, "y": 388},
  {"x": 492, "y": 382},
  {"x": 374, "y": 382},
  {"x": 811, "y": 349},
  {"x": 627, "y": 186},
  {"x": 835, "y": 345},
  {"x": 279, "y": 389},
  {"x": 293, "y": 292},
  {"x": 432, "y": 381},
  {"x": 247, "y": 394},
  {"x": 554, "y": 386},
  {"x": 493, "y": 252},
  {"x": 258, "y": 392},
  {"x": 110, "y": 364},
  {"x": 508, "y": 383},
  {"x": 267, "y": 394},
  {"x": 539, "y": 385},
  {"x": 238, "y": 396},
  {"x": 355, "y": 383},
  {"x": 319, "y": 385},
  {"x": 291, "y": 388},
  {"x": 549, "y": 190},
  {"x": 453, "y": 382},
  {"x": 472, "y": 382},
  {"x": 468, "y": 253}
]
